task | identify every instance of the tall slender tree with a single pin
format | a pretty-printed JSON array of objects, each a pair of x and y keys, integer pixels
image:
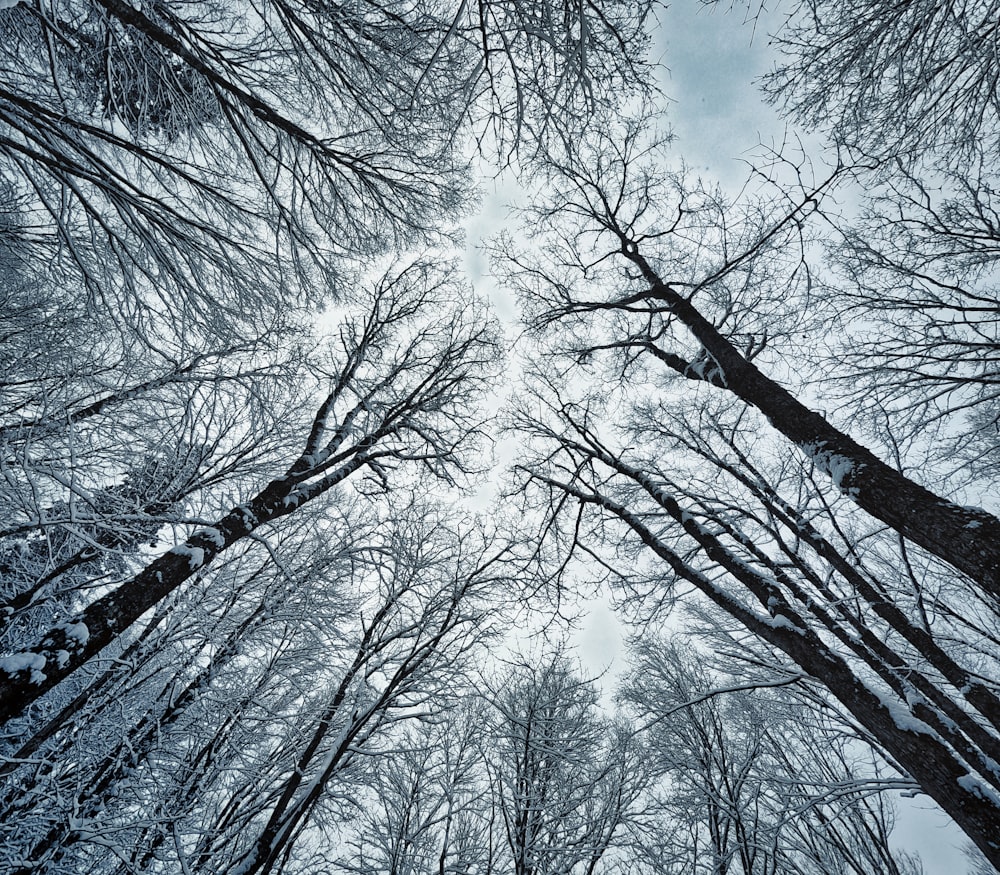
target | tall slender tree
[
  {"x": 396, "y": 394},
  {"x": 567, "y": 781}
]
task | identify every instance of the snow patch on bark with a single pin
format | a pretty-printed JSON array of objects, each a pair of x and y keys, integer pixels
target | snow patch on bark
[
  {"x": 246, "y": 515},
  {"x": 688, "y": 521},
  {"x": 293, "y": 498},
  {"x": 705, "y": 367},
  {"x": 971, "y": 784},
  {"x": 195, "y": 555},
  {"x": 903, "y": 718},
  {"x": 840, "y": 468},
  {"x": 992, "y": 766},
  {"x": 212, "y": 535},
  {"x": 782, "y": 622},
  {"x": 18, "y": 662},
  {"x": 78, "y": 633}
]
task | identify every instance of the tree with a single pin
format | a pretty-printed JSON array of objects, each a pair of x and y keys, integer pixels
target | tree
[
  {"x": 915, "y": 81},
  {"x": 609, "y": 185},
  {"x": 567, "y": 781},
  {"x": 694, "y": 298},
  {"x": 205, "y": 166},
  {"x": 428, "y": 806},
  {"x": 74, "y": 548},
  {"x": 909, "y": 92},
  {"x": 186, "y": 187},
  {"x": 241, "y": 747},
  {"x": 753, "y": 781},
  {"x": 398, "y": 397},
  {"x": 917, "y": 265},
  {"x": 102, "y": 433},
  {"x": 429, "y": 612},
  {"x": 105, "y": 441}
]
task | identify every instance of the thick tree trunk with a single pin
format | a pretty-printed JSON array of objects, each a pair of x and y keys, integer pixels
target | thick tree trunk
[
  {"x": 965, "y": 537},
  {"x": 26, "y": 676}
]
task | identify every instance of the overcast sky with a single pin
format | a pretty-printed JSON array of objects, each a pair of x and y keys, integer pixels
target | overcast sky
[{"x": 709, "y": 60}]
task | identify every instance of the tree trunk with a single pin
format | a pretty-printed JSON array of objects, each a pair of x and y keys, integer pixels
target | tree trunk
[{"x": 965, "y": 537}]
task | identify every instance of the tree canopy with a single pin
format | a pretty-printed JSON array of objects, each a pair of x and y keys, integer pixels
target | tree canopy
[{"x": 253, "y": 617}]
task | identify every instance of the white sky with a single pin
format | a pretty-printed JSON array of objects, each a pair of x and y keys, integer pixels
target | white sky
[{"x": 710, "y": 60}]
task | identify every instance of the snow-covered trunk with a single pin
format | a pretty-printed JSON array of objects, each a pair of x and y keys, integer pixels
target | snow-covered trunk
[
  {"x": 967, "y": 538},
  {"x": 26, "y": 676},
  {"x": 919, "y": 750}
]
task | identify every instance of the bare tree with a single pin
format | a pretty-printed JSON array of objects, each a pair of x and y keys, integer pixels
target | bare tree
[
  {"x": 182, "y": 187},
  {"x": 566, "y": 780},
  {"x": 918, "y": 267},
  {"x": 915, "y": 81},
  {"x": 664, "y": 291},
  {"x": 233, "y": 747},
  {"x": 430, "y": 610},
  {"x": 754, "y": 782},
  {"x": 910, "y": 92},
  {"x": 427, "y": 806},
  {"x": 610, "y": 196},
  {"x": 398, "y": 397},
  {"x": 189, "y": 163}
]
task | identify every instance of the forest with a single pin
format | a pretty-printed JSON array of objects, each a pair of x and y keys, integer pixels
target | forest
[{"x": 296, "y": 528}]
